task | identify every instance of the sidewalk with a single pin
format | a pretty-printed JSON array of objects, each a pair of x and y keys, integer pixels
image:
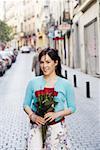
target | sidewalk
[
  {"x": 84, "y": 124},
  {"x": 82, "y": 78}
]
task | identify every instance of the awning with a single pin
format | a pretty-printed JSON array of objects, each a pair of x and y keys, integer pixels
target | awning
[{"x": 58, "y": 38}]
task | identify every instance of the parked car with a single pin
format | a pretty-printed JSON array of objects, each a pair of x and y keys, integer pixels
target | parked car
[
  {"x": 25, "y": 49},
  {"x": 6, "y": 58},
  {"x": 3, "y": 66},
  {"x": 10, "y": 54},
  {"x": 14, "y": 50}
]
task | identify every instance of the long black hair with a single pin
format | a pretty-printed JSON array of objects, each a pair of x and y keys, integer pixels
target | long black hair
[{"x": 53, "y": 54}]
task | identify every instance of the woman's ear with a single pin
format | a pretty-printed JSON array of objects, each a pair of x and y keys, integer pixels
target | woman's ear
[{"x": 56, "y": 62}]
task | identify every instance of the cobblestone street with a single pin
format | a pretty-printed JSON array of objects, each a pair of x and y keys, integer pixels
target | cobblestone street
[{"x": 83, "y": 125}]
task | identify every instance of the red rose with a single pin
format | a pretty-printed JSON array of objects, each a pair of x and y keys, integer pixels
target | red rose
[
  {"x": 55, "y": 93},
  {"x": 38, "y": 93},
  {"x": 48, "y": 90},
  {"x": 42, "y": 92},
  {"x": 45, "y": 103}
]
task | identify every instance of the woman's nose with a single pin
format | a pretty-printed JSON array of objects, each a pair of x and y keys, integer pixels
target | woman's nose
[{"x": 45, "y": 64}]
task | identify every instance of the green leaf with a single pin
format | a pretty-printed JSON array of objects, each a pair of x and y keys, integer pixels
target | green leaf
[{"x": 6, "y": 32}]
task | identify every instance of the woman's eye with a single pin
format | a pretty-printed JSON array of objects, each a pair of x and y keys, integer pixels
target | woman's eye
[
  {"x": 47, "y": 62},
  {"x": 41, "y": 62}
]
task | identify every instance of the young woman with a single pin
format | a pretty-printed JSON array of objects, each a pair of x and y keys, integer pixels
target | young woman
[{"x": 56, "y": 135}]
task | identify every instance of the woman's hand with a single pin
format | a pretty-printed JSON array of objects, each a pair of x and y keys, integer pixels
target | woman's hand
[
  {"x": 37, "y": 119},
  {"x": 50, "y": 116}
]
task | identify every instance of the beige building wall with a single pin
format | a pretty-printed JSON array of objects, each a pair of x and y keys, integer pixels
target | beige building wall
[
  {"x": 84, "y": 18},
  {"x": 20, "y": 15}
]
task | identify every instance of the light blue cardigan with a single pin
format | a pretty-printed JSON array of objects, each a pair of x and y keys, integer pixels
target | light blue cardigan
[{"x": 65, "y": 97}]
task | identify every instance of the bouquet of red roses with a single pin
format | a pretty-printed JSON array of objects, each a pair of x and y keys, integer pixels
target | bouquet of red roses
[{"x": 45, "y": 103}]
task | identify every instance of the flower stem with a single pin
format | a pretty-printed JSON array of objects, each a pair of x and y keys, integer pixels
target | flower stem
[{"x": 44, "y": 129}]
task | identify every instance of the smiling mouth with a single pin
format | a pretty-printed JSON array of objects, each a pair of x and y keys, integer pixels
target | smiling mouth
[{"x": 45, "y": 70}]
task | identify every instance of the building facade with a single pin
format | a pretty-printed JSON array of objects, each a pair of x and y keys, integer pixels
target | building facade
[
  {"x": 70, "y": 26},
  {"x": 86, "y": 36},
  {"x": 20, "y": 15}
]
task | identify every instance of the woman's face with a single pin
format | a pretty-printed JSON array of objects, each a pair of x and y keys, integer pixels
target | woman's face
[{"x": 47, "y": 65}]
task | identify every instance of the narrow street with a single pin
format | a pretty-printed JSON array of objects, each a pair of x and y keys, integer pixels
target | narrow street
[
  {"x": 13, "y": 122},
  {"x": 83, "y": 125}
]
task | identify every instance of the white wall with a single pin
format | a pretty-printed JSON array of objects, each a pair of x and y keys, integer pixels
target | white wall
[
  {"x": 87, "y": 17},
  {"x": 98, "y": 17}
]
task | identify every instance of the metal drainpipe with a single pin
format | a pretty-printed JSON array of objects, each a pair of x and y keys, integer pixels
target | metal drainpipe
[{"x": 68, "y": 34}]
